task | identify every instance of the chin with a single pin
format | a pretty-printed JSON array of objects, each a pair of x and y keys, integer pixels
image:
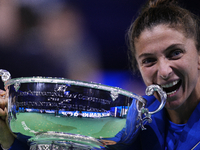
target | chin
[{"x": 172, "y": 105}]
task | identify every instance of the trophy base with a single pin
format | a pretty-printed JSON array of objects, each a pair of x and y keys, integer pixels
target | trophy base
[{"x": 64, "y": 141}]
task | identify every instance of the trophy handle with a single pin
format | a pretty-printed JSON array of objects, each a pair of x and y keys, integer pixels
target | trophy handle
[
  {"x": 144, "y": 115},
  {"x": 155, "y": 88},
  {"x": 5, "y": 75}
]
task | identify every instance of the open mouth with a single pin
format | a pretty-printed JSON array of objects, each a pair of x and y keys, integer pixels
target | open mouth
[{"x": 172, "y": 87}]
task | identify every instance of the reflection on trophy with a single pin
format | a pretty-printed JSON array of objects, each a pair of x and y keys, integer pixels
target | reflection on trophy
[{"x": 64, "y": 114}]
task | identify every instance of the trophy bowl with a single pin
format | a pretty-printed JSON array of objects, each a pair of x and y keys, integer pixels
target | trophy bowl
[{"x": 59, "y": 113}]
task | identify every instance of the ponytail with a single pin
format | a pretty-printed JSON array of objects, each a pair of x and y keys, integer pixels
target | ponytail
[{"x": 156, "y": 3}]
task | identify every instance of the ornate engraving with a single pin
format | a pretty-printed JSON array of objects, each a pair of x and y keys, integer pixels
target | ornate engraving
[
  {"x": 55, "y": 96},
  {"x": 17, "y": 86},
  {"x": 114, "y": 94},
  {"x": 5, "y": 75},
  {"x": 144, "y": 115},
  {"x": 61, "y": 88}
]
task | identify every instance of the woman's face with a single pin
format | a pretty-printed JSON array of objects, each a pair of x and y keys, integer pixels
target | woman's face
[{"x": 167, "y": 58}]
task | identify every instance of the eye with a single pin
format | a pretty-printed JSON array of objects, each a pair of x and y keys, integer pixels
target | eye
[
  {"x": 175, "y": 54},
  {"x": 148, "y": 62}
]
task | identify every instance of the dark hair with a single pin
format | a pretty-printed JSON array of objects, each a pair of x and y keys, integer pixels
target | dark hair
[{"x": 166, "y": 12}]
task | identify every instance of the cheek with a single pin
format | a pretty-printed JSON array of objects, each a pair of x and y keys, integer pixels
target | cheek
[
  {"x": 147, "y": 76},
  {"x": 189, "y": 67}
]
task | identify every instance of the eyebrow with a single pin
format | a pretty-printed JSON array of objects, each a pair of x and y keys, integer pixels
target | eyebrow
[{"x": 168, "y": 48}]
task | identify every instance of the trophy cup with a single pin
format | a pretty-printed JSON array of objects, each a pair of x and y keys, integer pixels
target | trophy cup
[{"x": 63, "y": 114}]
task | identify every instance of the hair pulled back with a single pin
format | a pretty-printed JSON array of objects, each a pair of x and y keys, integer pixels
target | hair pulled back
[
  {"x": 166, "y": 12},
  {"x": 155, "y": 3}
]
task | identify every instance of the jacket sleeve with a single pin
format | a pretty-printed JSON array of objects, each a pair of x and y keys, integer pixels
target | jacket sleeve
[
  {"x": 20, "y": 143},
  {"x": 130, "y": 132},
  {"x": 117, "y": 137},
  {"x": 129, "y": 136}
]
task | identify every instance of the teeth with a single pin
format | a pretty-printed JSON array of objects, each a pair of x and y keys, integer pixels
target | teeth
[
  {"x": 170, "y": 84},
  {"x": 171, "y": 92}
]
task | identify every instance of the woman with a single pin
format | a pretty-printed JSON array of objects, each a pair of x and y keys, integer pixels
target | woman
[
  {"x": 164, "y": 42},
  {"x": 165, "y": 46}
]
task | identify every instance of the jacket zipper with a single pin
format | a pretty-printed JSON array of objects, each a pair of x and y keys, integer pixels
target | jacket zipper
[{"x": 195, "y": 145}]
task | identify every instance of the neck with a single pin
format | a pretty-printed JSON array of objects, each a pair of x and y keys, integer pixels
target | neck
[{"x": 182, "y": 114}]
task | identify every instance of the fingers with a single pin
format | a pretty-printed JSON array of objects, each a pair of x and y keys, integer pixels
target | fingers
[
  {"x": 108, "y": 142},
  {"x": 5, "y": 87},
  {"x": 3, "y": 113},
  {"x": 2, "y": 92},
  {"x": 3, "y": 99},
  {"x": 2, "y": 104},
  {"x": 7, "y": 96}
]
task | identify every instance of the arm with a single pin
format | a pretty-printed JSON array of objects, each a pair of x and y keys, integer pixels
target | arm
[
  {"x": 113, "y": 140},
  {"x": 8, "y": 140},
  {"x": 129, "y": 132},
  {"x": 7, "y": 137}
]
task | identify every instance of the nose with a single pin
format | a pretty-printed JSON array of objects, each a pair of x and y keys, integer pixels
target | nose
[{"x": 164, "y": 69}]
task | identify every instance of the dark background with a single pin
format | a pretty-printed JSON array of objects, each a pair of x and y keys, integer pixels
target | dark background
[{"x": 107, "y": 22}]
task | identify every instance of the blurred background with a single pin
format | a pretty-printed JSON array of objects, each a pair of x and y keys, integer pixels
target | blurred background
[{"x": 75, "y": 39}]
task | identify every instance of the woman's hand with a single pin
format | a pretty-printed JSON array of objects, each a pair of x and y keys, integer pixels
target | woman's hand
[
  {"x": 6, "y": 137},
  {"x": 108, "y": 142},
  {"x": 3, "y": 103}
]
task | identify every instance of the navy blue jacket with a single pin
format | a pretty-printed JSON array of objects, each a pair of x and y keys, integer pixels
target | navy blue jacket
[{"x": 154, "y": 137}]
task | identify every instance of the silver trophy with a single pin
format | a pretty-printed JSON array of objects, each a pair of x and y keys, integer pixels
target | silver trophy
[{"x": 63, "y": 114}]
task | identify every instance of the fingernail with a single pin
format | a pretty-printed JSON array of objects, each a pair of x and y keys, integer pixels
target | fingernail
[{"x": 1, "y": 91}]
